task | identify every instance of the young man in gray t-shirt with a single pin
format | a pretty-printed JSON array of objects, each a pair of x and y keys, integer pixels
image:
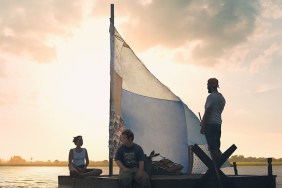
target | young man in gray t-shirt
[{"x": 211, "y": 122}]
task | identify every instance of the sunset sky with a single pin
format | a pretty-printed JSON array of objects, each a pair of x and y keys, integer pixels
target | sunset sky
[{"x": 54, "y": 69}]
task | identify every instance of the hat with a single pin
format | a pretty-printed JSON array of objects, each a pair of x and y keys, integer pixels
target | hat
[{"x": 213, "y": 82}]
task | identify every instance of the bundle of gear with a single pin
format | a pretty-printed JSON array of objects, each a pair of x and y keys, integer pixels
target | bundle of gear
[{"x": 162, "y": 167}]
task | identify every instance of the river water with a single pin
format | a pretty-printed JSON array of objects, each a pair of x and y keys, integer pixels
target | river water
[{"x": 47, "y": 177}]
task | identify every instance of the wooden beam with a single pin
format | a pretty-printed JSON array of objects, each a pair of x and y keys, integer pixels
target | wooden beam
[{"x": 213, "y": 169}]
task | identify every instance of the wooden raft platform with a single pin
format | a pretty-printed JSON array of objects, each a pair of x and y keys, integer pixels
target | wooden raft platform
[{"x": 175, "y": 181}]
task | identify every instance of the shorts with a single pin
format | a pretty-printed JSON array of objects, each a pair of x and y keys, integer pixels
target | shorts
[{"x": 213, "y": 134}]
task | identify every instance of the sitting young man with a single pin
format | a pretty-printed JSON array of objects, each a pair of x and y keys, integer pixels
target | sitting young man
[{"x": 130, "y": 159}]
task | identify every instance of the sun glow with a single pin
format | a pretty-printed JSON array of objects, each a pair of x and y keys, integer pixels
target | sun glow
[
  {"x": 81, "y": 81},
  {"x": 73, "y": 92}
]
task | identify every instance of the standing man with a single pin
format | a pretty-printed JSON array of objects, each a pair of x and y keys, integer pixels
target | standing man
[
  {"x": 130, "y": 160},
  {"x": 211, "y": 122}
]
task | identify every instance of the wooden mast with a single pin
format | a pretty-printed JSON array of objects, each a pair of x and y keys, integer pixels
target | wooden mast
[{"x": 112, "y": 47}]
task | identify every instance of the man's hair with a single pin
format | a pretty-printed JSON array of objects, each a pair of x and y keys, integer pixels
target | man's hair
[
  {"x": 213, "y": 82},
  {"x": 128, "y": 133},
  {"x": 76, "y": 138}
]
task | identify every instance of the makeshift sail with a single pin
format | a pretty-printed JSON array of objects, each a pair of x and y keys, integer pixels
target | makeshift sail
[{"x": 159, "y": 119}]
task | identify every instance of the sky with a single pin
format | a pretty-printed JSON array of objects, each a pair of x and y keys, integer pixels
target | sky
[{"x": 55, "y": 57}]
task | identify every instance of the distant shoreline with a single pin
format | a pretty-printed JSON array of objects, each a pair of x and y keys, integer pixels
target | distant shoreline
[
  {"x": 239, "y": 159},
  {"x": 19, "y": 161}
]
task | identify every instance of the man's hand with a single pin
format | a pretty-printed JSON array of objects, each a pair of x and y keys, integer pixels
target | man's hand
[
  {"x": 139, "y": 175},
  {"x": 124, "y": 169},
  {"x": 203, "y": 128}
]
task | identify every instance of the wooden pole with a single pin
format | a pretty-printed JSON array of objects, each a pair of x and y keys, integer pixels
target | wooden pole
[
  {"x": 112, "y": 22},
  {"x": 112, "y": 19},
  {"x": 269, "y": 161},
  {"x": 235, "y": 168}
]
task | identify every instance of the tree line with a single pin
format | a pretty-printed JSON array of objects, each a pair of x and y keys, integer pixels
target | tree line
[
  {"x": 19, "y": 161},
  {"x": 241, "y": 158}
]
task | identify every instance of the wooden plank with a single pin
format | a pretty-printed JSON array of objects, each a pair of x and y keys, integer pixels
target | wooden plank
[
  {"x": 184, "y": 181},
  {"x": 213, "y": 167},
  {"x": 227, "y": 154},
  {"x": 202, "y": 155}
]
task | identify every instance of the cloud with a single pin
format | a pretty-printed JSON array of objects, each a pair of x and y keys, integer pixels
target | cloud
[
  {"x": 2, "y": 67},
  {"x": 26, "y": 26},
  {"x": 264, "y": 58},
  {"x": 262, "y": 88},
  {"x": 218, "y": 24},
  {"x": 8, "y": 98},
  {"x": 272, "y": 8}
]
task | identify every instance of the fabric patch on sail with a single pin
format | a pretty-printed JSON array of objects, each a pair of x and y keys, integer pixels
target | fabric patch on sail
[
  {"x": 115, "y": 130},
  {"x": 116, "y": 121}
]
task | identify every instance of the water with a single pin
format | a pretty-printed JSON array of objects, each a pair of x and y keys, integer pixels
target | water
[
  {"x": 34, "y": 177},
  {"x": 47, "y": 177}
]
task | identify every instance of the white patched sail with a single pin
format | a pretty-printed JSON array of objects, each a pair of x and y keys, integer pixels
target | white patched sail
[{"x": 158, "y": 118}]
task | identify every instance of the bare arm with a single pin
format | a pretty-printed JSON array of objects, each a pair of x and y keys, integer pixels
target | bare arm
[
  {"x": 140, "y": 172},
  {"x": 86, "y": 158},
  {"x": 205, "y": 118},
  {"x": 121, "y": 166},
  {"x": 70, "y": 156},
  {"x": 71, "y": 165},
  {"x": 141, "y": 165}
]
